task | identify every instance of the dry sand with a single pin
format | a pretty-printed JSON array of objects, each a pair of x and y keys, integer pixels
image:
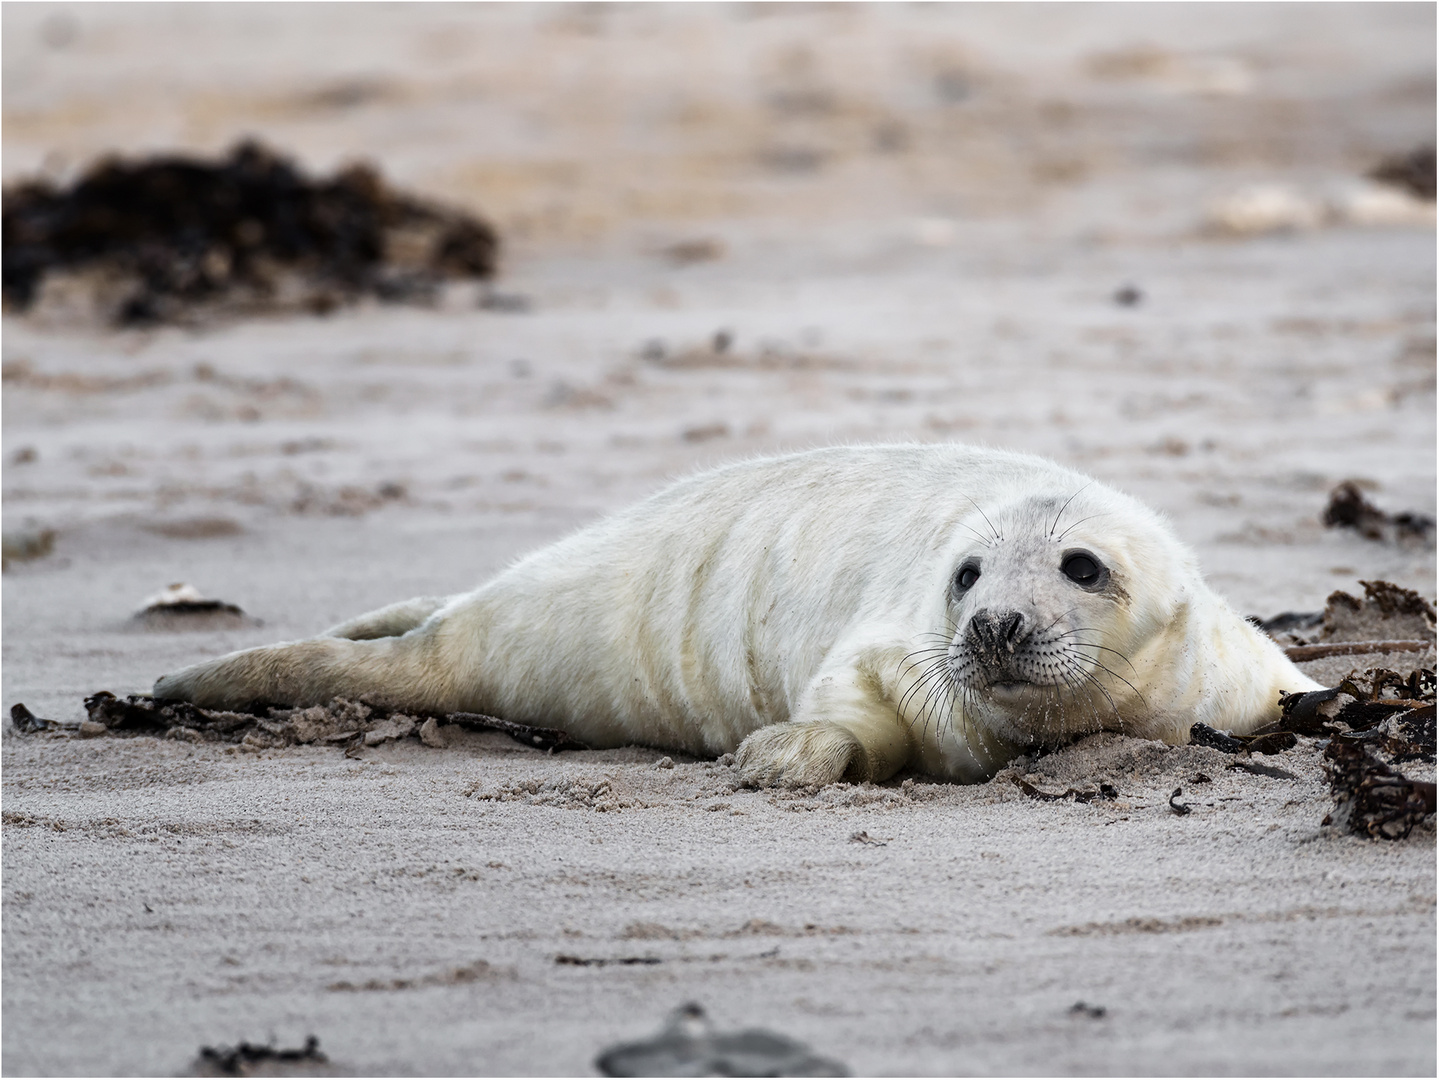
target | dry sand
[{"x": 912, "y": 221}]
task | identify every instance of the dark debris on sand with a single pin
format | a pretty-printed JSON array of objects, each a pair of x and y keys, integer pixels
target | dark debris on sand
[
  {"x": 1413, "y": 171},
  {"x": 175, "y": 236},
  {"x": 1348, "y": 508},
  {"x": 1370, "y": 798},
  {"x": 1388, "y": 618},
  {"x": 1393, "y": 713},
  {"x": 1372, "y": 720},
  {"x": 262, "y": 1059},
  {"x": 353, "y": 724},
  {"x": 1371, "y": 724},
  {"x": 688, "y": 1045},
  {"x": 1365, "y": 726}
]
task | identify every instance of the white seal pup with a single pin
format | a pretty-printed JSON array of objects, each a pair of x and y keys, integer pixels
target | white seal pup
[{"x": 842, "y": 613}]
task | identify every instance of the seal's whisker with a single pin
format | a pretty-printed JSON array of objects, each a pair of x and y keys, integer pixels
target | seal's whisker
[
  {"x": 926, "y": 677},
  {"x": 905, "y": 660},
  {"x": 946, "y": 705},
  {"x": 1105, "y": 648},
  {"x": 1065, "y": 507},
  {"x": 927, "y": 708},
  {"x": 1074, "y": 687},
  {"x": 985, "y": 540},
  {"x": 1112, "y": 708},
  {"x": 1062, "y": 722},
  {"x": 1050, "y": 627},
  {"x": 949, "y": 702},
  {"x": 1100, "y": 687},
  {"x": 937, "y": 643},
  {"x": 940, "y": 686},
  {"x": 1077, "y": 524},
  {"x": 921, "y": 714},
  {"x": 1121, "y": 678},
  {"x": 944, "y": 637},
  {"x": 929, "y": 679},
  {"x": 998, "y": 536}
]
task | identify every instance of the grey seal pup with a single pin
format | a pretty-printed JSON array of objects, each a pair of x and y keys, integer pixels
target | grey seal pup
[{"x": 841, "y": 613}]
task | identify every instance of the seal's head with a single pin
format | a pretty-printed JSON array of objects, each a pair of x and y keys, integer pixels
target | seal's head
[{"x": 1052, "y": 599}]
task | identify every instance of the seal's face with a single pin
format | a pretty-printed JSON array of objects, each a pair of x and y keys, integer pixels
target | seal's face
[{"x": 1043, "y": 620}]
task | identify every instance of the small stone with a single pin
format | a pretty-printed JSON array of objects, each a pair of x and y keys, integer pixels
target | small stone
[
  {"x": 665, "y": 763},
  {"x": 431, "y": 735},
  {"x": 90, "y": 729},
  {"x": 726, "y": 759}
]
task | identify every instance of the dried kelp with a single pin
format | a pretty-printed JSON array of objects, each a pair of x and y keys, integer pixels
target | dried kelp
[
  {"x": 1389, "y": 618},
  {"x": 246, "y": 1058},
  {"x": 1371, "y": 799},
  {"x": 1289, "y": 622},
  {"x": 1381, "y": 714},
  {"x": 1392, "y": 601},
  {"x": 1412, "y": 171},
  {"x": 1349, "y": 508},
  {"x": 1394, "y": 713},
  {"x": 1299, "y": 653},
  {"x": 1260, "y": 769},
  {"x": 26, "y": 722},
  {"x": 354, "y": 723},
  {"x": 1267, "y": 742},
  {"x": 1377, "y": 715},
  {"x": 169, "y": 236},
  {"x": 25, "y": 545}
]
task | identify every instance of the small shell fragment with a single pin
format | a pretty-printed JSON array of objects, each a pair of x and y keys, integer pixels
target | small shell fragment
[{"x": 181, "y": 606}]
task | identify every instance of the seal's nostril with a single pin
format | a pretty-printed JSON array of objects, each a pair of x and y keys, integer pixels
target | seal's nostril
[
  {"x": 1010, "y": 626},
  {"x": 982, "y": 627}
]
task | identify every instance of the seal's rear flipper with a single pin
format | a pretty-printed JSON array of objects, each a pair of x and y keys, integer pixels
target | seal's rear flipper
[
  {"x": 390, "y": 621},
  {"x": 399, "y": 672}
]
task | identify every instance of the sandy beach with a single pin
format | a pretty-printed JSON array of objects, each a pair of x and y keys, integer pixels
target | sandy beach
[{"x": 1137, "y": 239}]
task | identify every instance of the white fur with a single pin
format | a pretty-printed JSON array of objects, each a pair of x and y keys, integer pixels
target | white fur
[{"x": 775, "y": 607}]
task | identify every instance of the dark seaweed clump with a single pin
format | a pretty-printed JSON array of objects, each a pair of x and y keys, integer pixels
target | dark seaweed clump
[
  {"x": 1348, "y": 508},
  {"x": 172, "y": 233},
  {"x": 1413, "y": 170},
  {"x": 246, "y": 1058}
]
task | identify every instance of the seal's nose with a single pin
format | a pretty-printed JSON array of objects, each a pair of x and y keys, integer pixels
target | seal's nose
[{"x": 996, "y": 632}]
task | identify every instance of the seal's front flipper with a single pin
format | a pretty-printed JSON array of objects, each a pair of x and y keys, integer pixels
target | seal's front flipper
[
  {"x": 808, "y": 754},
  {"x": 847, "y": 728}
]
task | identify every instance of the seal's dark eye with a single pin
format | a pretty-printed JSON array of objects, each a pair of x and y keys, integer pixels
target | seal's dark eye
[
  {"x": 1082, "y": 569},
  {"x": 967, "y": 576}
]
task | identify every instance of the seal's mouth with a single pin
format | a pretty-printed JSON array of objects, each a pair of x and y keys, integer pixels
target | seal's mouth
[{"x": 1010, "y": 690}]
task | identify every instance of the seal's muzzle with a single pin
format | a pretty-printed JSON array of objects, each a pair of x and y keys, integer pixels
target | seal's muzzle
[{"x": 991, "y": 637}]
